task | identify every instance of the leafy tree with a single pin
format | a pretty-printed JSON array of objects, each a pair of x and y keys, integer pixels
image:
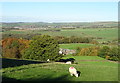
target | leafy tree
[
  {"x": 104, "y": 51},
  {"x": 72, "y": 39},
  {"x": 13, "y": 47},
  {"x": 110, "y": 53},
  {"x": 43, "y": 47},
  {"x": 114, "y": 54},
  {"x": 85, "y": 52},
  {"x": 89, "y": 51}
]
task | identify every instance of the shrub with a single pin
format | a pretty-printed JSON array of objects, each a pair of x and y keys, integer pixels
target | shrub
[
  {"x": 114, "y": 54},
  {"x": 94, "y": 42},
  {"x": 110, "y": 53},
  {"x": 90, "y": 51},
  {"x": 104, "y": 51},
  {"x": 72, "y": 39}
]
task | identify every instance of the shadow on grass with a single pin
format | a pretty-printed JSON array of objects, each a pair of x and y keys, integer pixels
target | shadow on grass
[
  {"x": 47, "y": 79},
  {"x": 14, "y": 62},
  {"x": 61, "y": 79},
  {"x": 66, "y": 60},
  {"x": 79, "y": 73}
]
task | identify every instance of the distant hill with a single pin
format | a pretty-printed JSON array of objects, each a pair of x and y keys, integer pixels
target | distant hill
[{"x": 59, "y": 25}]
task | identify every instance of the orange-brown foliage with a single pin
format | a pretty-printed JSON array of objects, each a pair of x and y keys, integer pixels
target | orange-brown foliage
[
  {"x": 13, "y": 47},
  {"x": 91, "y": 51}
]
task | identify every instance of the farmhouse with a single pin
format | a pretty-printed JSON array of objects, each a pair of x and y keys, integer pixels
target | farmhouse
[{"x": 66, "y": 51}]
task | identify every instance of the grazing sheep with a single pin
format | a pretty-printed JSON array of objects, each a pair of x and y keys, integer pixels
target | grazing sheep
[
  {"x": 60, "y": 52},
  {"x": 73, "y": 71},
  {"x": 68, "y": 62},
  {"x": 48, "y": 60}
]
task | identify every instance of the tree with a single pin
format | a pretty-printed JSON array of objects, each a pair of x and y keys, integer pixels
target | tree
[
  {"x": 114, "y": 54},
  {"x": 110, "y": 53},
  {"x": 89, "y": 51},
  {"x": 104, "y": 51},
  {"x": 43, "y": 47},
  {"x": 13, "y": 47}
]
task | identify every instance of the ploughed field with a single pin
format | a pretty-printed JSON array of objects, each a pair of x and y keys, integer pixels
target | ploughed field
[{"x": 92, "y": 68}]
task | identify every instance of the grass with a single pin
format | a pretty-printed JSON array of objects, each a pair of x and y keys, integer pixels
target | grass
[
  {"x": 92, "y": 68},
  {"x": 106, "y": 34},
  {"x": 82, "y": 45},
  {"x": 75, "y": 45}
]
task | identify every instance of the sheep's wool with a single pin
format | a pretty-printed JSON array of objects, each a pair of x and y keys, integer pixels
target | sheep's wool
[
  {"x": 73, "y": 71},
  {"x": 69, "y": 62}
]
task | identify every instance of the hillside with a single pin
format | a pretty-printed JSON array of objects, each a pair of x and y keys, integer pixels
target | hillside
[{"x": 92, "y": 68}]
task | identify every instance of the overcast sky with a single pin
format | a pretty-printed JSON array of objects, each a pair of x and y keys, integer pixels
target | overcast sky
[{"x": 59, "y": 11}]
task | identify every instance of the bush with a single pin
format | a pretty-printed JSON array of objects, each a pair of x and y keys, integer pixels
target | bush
[
  {"x": 114, "y": 54},
  {"x": 72, "y": 39},
  {"x": 104, "y": 51},
  {"x": 13, "y": 47},
  {"x": 43, "y": 47},
  {"x": 109, "y": 53},
  {"x": 90, "y": 51},
  {"x": 94, "y": 42}
]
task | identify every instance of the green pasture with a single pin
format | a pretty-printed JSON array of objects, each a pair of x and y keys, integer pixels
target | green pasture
[
  {"x": 92, "y": 68},
  {"x": 75, "y": 45},
  {"x": 101, "y": 34}
]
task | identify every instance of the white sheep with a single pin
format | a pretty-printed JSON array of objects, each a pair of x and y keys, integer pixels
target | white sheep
[
  {"x": 48, "y": 60},
  {"x": 68, "y": 62},
  {"x": 73, "y": 71}
]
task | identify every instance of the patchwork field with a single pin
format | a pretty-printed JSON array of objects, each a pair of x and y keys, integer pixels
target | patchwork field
[
  {"x": 92, "y": 68},
  {"x": 101, "y": 34}
]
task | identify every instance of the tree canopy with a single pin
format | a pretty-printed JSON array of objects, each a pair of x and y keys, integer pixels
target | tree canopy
[{"x": 43, "y": 47}]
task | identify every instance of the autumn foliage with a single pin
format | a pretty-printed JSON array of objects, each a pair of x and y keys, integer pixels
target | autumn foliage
[
  {"x": 13, "y": 47},
  {"x": 109, "y": 53},
  {"x": 90, "y": 51}
]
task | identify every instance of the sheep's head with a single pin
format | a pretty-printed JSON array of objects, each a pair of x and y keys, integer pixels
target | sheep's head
[{"x": 71, "y": 67}]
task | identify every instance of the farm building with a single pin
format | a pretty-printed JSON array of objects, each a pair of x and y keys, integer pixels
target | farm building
[{"x": 66, "y": 51}]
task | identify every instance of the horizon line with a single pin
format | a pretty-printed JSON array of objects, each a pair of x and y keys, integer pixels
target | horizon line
[{"x": 60, "y": 22}]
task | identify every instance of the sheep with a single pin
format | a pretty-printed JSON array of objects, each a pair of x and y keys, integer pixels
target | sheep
[
  {"x": 60, "y": 52},
  {"x": 68, "y": 62},
  {"x": 48, "y": 60},
  {"x": 73, "y": 71}
]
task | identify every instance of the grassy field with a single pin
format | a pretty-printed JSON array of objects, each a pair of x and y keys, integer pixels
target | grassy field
[
  {"x": 92, "y": 68},
  {"x": 75, "y": 45},
  {"x": 103, "y": 34},
  {"x": 82, "y": 45}
]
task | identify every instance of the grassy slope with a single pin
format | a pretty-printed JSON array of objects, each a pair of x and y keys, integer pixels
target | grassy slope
[{"x": 91, "y": 70}]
